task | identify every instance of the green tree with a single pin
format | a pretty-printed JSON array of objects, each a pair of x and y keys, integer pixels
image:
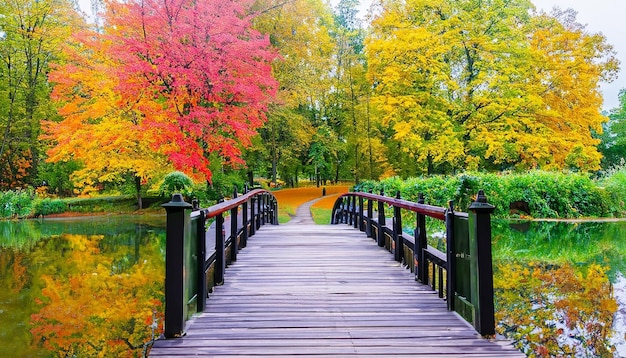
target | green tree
[
  {"x": 300, "y": 31},
  {"x": 349, "y": 101},
  {"x": 31, "y": 33},
  {"x": 613, "y": 145}
]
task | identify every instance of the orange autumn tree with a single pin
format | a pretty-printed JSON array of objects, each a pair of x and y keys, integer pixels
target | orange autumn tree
[
  {"x": 100, "y": 127},
  {"x": 165, "y": 85}
]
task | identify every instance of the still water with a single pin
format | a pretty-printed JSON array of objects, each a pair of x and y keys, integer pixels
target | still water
[
  {"x": 94, "y": 286},
  {"x": 81, "y": 287},
  {"x": 578, "y": 243},
  {"x": 559, "y": 287}
]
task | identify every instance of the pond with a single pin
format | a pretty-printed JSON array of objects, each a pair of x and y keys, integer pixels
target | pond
[
  {"x": 577, "y": 242},
  {"x": 559, "y": 289},
  {"x": 81, "y": 287},
  {"x": 94, "y": 285}
]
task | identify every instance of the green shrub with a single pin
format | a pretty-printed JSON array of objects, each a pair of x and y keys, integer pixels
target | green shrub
[
  {"x": 542, "y": 194},
  {"x": 176, "y": 182},
  {"x": 16, "y": 203},
  {"x": 223, "y": 185},
  {"x": 47, "y": 206},
  {"x": 613, "y": 183}
]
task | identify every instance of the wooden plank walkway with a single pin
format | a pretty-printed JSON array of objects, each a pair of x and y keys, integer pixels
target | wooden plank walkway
[{"x": 315, "y": 290}]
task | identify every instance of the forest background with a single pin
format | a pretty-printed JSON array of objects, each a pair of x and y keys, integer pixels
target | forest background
[{"x": 232, "y": 91}]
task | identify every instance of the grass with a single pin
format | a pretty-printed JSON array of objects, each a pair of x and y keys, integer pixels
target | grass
[{"x": 322, "y": 210}]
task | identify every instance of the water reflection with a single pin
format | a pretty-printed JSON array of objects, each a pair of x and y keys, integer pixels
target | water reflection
[
  {"x": 552, "y": 291},
  {"x": 578, "y": 243},
  {"x": 83, "y": 287}
]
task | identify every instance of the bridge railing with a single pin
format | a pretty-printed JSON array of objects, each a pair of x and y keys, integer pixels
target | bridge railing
[
  {"x": 463, "y": 274},
  {"x": 192, "y": 267}
]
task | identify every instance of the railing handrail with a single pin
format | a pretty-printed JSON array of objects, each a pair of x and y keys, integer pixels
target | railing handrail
[
  {"x": 220, "y": 208},
  {"x": 424, "y": 209}
]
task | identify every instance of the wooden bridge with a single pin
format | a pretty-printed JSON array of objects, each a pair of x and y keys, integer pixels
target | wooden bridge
[{"x": 309, "y": 290}]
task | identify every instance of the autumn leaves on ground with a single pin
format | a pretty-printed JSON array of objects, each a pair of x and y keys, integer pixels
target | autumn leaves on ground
[{"x": 290, "y": 199}]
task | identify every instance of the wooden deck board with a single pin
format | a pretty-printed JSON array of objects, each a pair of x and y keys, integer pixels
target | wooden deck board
[{"x": 309, "y": 290}]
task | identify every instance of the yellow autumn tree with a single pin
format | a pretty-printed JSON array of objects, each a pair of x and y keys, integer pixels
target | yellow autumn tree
[
  {"x": 31, "y": 33},
  {"x": 488, "y": 84},
  {"x": 570, "y": 62}
]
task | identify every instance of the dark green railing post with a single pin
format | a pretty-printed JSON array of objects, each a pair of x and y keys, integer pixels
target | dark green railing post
[
  {"x": 480, "y": 253},
  {"x": 244, "y": 219},
  {"x": 177, "y": 231},
  {"x": 220, "y": 249},
  {"x": 275, "y": 218},
  {"x": 398, "y": 253},
  {"x": 355, "y": 213},
  {"x": 361, "y": 223},
  {"x": 259, "y": 210},
  {"x": 234, "y": 245},
  {"x": 349, "y": 210},
  {"x": 370, "y": 215},
  {"x": 420, "y": 244},
  {"x": 451, "y": 257},
  {"x": 201, "y": 251},
  {"x": 252, "y": 216},
  {"x": 381, "y": 221},
  {"x": 265, "y": 206}
]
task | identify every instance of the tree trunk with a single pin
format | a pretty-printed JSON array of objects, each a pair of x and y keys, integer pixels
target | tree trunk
[{"x": 138, "y": 189}]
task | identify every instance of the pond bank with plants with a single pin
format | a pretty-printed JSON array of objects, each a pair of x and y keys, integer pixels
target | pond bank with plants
[{"x": 22, "y": 204}]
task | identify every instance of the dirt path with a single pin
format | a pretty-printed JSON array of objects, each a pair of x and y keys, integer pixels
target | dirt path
[{"x": 303, "y": 213}]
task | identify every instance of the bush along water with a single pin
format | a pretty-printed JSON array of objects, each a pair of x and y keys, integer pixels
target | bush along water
[
  {"x": 537, "y": 194},
  {"x": 16, "y": 203},
  {"x": 614, "y": 183}
]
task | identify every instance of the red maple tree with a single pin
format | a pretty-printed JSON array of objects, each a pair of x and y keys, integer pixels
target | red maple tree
[{"x": 194, "y": 74}]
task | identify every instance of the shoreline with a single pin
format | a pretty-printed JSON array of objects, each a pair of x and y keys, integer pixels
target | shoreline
[{"x": 573, "y": 221}]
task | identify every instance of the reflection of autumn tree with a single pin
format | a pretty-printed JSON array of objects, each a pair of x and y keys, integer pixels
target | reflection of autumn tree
[
  {"x": 15, "y": 302},
  {"x": 555, "y": 311},
  {"x": 19, "y": 273},
  {"x": 95, "y": 309}
]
